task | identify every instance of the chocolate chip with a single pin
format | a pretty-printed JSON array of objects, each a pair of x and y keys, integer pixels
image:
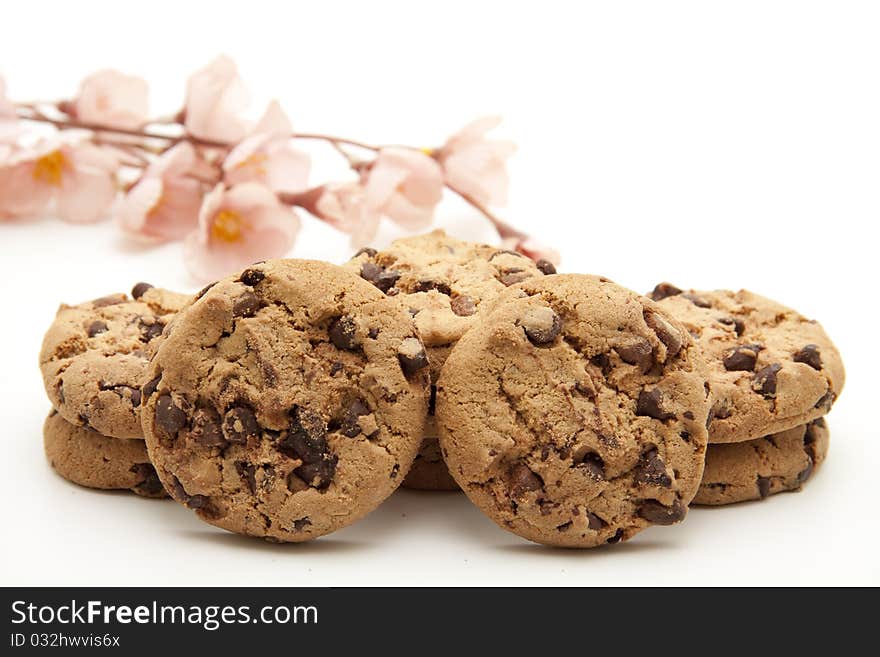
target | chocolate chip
[
  {"x": 594, "y": 522},
  {"x": 764, "y": 380},
  {"x": 545, "y": 267},
  {"x": 738, "y": 325},
  {"x": 651, "y": 470},
  {"x": 602, "y": 362},
  {"x": 411, "y": 356},
  {"x": 198, "y": 502},
  {"x": 111, "y": 300},
  {"x": 663, "y": 290},
  {"x": 700, "y": 302},
  {"x": 658, "y": 514},
  {"x": 140, "y": 289},
  {"x": 804, "y": 474},
  {"x": 206, "y": 430},
  {"x": 169, "y": 417},
  {"x": 252, "y": 276},
  {"x": 379, "y": 276},
  {"x": 666, "y": 333},
  {"x": 541, "y": 325},
  {"x": 826, "y": 401},
  {"x": 318, "y": 474},
  {"x": 685, "y": 436},
  {"x": 593, "y": 465},
  {"x": 618, "y": 535},
  {"x": 349, "y": 425},
  {"x": 763, "y": 486},
  {"x": 370, "y": 271},
  {"x": 239, "y": 424},
  {"x": 650, "y": 404},
  {"x": 248, "y": 472},
  {"x": 564, "y": 527},
  {"x": 513, "y": 276},
  {"x": 637, "y": 353},
  {"x": 427, "y": 286},
  {"x": 522, "y": 480},
  {"x": 150, "y": 386},
  {"x": 148, "y": 483},
  {"x": 373, "y": 333},
  {"x": 96, "y": 328},
  {"x": 151, "y": 328},
  {"x": 809, "y": 355},
  {"x": 463, "y": 306},
  {"x": 204, "y": 290},
  {"x": 302, "y": 523},
  {"x": 343, "y": 333},
  {"x": 306, "y": 437},
  {"x": 246, "y": 305},
  {"x": 742, "y": 358}
]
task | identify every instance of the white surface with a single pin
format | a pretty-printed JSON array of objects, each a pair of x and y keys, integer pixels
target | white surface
[{"x": 710, "y": 144}]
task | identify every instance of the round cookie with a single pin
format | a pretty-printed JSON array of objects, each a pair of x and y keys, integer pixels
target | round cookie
[
  {"x": 771, "y": 369},
  {"x": 287, "y": 401},
  {"x": 94, "y": 357},
  {"x": 754, "y": 469},
  {"x": 89, "y": 459},
  {"x": 444, "y": 283},
  {"x": 575, "y": 413}
]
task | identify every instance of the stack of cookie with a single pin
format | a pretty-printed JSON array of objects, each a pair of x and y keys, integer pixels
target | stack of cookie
[
  {"x": 93, "y": 360},
  {"x": 290, "y": 399}
]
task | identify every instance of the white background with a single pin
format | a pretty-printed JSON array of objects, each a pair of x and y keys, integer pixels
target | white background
[{"x": 710, "y": 144}]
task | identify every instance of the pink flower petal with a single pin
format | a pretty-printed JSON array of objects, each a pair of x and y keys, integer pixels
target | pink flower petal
[
  {"x": 274, "y": 122},
  {"x": 113, "y": 99},
  {"x": 215, "y": 99},
  {"x": 86, "y": 196}
]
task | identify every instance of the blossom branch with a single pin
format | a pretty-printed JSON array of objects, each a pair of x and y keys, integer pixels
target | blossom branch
[{"x": 230, "y": 188}]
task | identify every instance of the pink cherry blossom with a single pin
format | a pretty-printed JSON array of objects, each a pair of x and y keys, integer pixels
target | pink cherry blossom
[
  {"x": 343, "y": 205},
  {"x": 266, "y": 156},
  {"x": 239, "y": 226},
  {"x": 113, "y": 99},
  {"x": 405, "y": 185},
  {"x": 531, "y": 248},
  {"x": 78, "y": 178},
  {"x": 164, "y": 204},
  {"x": 475, "y": 165},
  {"x": 215, "y": 99}
]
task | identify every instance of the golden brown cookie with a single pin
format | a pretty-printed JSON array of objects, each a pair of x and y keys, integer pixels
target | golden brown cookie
[
  {"x": 771, "y": 369},
  {"x": 754, "y": 469},
  {"x": 89, "y": 459},
  {"x": 95, "y": 355},
  {"x": 575, "y": 413},
  {"x": 444, "y": 283},
  {"x": 287, "y": 401}
]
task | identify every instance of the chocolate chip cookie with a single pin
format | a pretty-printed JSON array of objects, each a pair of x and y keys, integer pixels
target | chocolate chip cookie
[
  {"x": 575, "y": 413},
  {"x": 286, "y": 401},
  {"x": 444, "y": 283},
  {"x": 771, "y": 369},
  {"x": 95, "y": 355},
  {"x": 89, "y": 459},
  {"x": 754, "y": 469}
]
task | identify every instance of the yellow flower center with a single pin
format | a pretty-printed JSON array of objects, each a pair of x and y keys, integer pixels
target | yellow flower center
[
  {"x": 48, "y": 169},
  {"x": 227, "y": 226},
  {"x": 255, "y": 162}
]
